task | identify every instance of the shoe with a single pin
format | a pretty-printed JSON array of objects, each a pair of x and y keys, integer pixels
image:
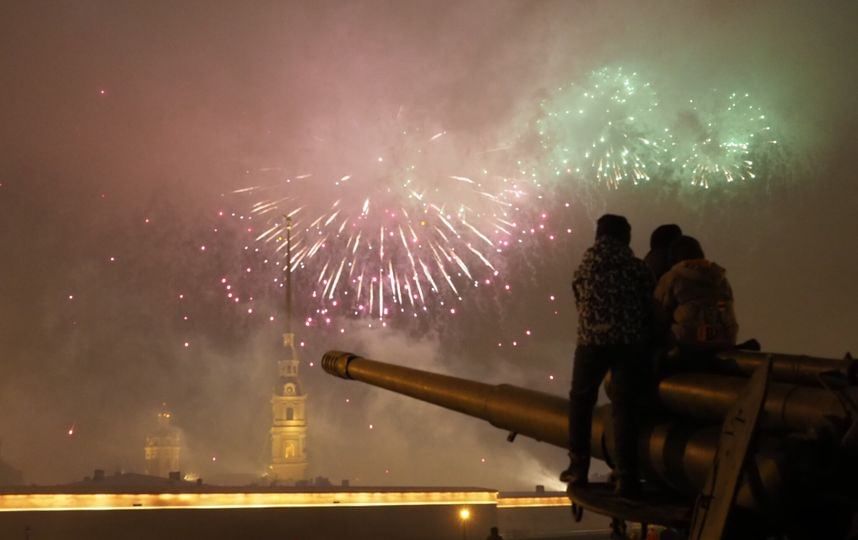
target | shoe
[
  {"x": 573, "y": 476},
  {"x": 627, "y": 488},
  {"x": 576, "y": 473}
]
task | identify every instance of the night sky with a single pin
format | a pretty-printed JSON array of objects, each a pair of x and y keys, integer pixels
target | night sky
[{"x": 125, "y": 128}]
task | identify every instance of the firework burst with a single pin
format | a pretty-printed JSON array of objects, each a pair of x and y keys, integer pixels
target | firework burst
[
  {"x": 395, "y": 232},
  {"x": 602, "y": 130},
  {"x": 718, "y": 139}
]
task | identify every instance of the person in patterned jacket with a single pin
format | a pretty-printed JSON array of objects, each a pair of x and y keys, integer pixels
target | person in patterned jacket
[{"x": 613, "y": 294}]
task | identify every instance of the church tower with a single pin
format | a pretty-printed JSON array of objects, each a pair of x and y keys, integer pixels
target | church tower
[
  {"x": 163, "y": 447},
  {"x": 288, "y": 405}
]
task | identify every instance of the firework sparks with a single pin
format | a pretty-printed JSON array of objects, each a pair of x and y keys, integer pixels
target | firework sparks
[
  {"x": 397, "y": 231},
  {"x": 717, "y": 140},
  {"x": 601, "y": 130},
  {"x": 613, "y": 129}
]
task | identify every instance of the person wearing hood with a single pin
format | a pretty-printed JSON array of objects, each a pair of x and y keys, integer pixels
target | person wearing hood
[
  {"x": 658, "y": 258},
  {"x": 694, "y": 301}
]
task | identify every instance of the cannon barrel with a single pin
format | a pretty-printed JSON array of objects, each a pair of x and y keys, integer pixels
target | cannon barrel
[
  {"x": 788, "y": 406},
  {"x": 676, "y": 454},
  {"x": 791, "y": 368},
  {"x": 534, "y": 414}
]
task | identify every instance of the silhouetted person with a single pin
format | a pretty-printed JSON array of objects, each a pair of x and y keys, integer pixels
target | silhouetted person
[
  {"x": 493, "y": 534},
  {"x": 658, "y": 258},
  {"x": 613, "y": 294},
  {"x": 694, "y": 301}
]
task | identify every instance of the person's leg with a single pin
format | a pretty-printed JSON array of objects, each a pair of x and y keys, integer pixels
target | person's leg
[
  {"x": 588, "y": 371},
  {"x": 628, "y": 368}
]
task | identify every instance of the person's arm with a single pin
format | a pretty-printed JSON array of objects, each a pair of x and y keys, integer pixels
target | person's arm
[
  {"x": 646, "y": 284},
  {"x": 730, "y": 310},
  {"x": 663, "y": 306},
  {"x": 577, "y": 282},
  {"x": 726, "y": 290},
  {"x": 575, "y": 291}
]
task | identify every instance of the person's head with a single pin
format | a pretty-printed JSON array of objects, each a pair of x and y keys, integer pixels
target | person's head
[
  {"x": 664, "y": 235},
  {"x": 615, "y": 227},
  {"x": 494, "y": 531},
  {"x": 685, "y": 248}
]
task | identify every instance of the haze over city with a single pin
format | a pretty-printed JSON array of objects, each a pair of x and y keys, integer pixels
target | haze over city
[{"x": 134, "y": 274}]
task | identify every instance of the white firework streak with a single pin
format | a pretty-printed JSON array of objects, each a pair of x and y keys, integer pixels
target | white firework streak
[{"x": 427, "y": 229}]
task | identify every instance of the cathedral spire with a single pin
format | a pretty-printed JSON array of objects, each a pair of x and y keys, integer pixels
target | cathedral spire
[
  {"x": 288, "y": 274},
  {"x": 289, "y": 420}
]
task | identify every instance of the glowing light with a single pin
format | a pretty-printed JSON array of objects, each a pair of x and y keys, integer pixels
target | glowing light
[
  {"x": 214, "y": 500},
  {"x": 549, "y": 500},
  {"x": 465, "y": 514}
]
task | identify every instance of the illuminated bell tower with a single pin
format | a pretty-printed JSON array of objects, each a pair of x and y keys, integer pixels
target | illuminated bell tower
[
  {"x": 163, "y": 447},
  {"x": 288, "y": 405}
]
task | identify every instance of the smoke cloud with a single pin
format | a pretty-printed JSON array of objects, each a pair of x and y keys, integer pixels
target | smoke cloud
[{"x": 127, "y": 126}]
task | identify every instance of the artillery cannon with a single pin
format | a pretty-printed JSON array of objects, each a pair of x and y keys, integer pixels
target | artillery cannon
[{"x": 800, "y": 468}]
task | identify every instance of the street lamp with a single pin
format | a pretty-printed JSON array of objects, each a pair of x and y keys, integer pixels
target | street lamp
[{"x": 464, "y": 516}]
